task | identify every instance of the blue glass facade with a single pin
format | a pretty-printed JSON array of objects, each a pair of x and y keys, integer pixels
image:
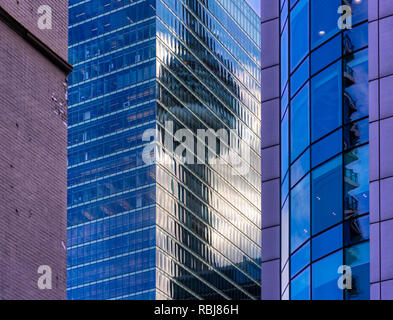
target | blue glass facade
[
  {"x": 324, "y": 150},
  {"x": 166, "y": 229}
]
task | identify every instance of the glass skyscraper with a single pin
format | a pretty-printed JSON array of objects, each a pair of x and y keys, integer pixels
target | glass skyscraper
[
  {"x": 326, "y": 159},
  {"x": 177, "y": 227},
  {"x": 324, "y": 150}
]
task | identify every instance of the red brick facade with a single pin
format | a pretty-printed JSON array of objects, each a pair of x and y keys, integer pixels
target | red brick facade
[{"x": 33, "y": 155}]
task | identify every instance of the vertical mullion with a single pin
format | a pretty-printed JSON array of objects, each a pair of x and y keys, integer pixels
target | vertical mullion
[{"x": 310, "y": 137}]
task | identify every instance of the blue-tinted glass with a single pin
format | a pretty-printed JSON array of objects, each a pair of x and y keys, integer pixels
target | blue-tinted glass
[
  {"x": 300, "y": 259},
  {"x": 282, "y": 3},
  {"x": 323, "y": 20},
  {"x": 326, "y": 148},
  {"x": 356, "y": 230},
  {"x": 285, "y": 278},
  {"x": 326, "y": 101},
  {"x": 356, "y": 86},
  {"x": 358, "y": 258},
  {"x": 284, "y": 234},
  {"x": 292, "y": 2},
  {"x": 300, "y": 286},
  {"x": 284, "y": 146},
  {"x": 285, "y": 189},
  {"x": 284, "y": 16},
  {"x": 284, "y": 101},
  {"x": 300, "y": 213},
  {"x": 300, "y": 111},
  {"x": 327, "y": 195},
  {"x": 359, "y": 11},
  {"x": 300, "y": 168},
  {"x": 326, "y": 54},
  {"x": 327, "y": 242},
  {"x": 137, "y": 64},
  {"x": 284, "y": 58},
  {"x": 325, "y": 278},
  {"x": 299, "y": 33},
  {"x": 356, "y": 182},
  {"x": 285, "y": 295},
  {"x": 299, "y": 77},
  {"x": 356, "y": 133},
  {"x": 355, "y": 39}
]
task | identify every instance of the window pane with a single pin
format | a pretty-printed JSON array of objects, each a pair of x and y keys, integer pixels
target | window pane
[
  {"x": 356, "y": 86},
  {"x": 284, "y": 235},
  {"x": 356, "y": 133},
  {"x": 284, "y": 146},
  {"x": 284, "y": 57},
  {"x": 355, "y": 38},
  {"x": 324, "y": 19},
  {"x": 356, "y": 182},
  {"x": 300, "y": 137},
  {"x": 326, "y": 54},
  {"x": 284, "y": 16},
  {"x": 327, "y": 194},
  {"x": 300, "y": 213},
  {"x": 300, "y": 168},
  {"x": 325, "y": 278},
  {"x": 284, "y": 101},
  {"x": 326, "y": 148},
  {"x": 285, "y": 189},
  {"x": 359, "y": 11},
  {"x": 299, "y": 77},
  {"x": 356, "y": 230},
  {"x": 327, "y": 242},
  {"x": 300, "y": 286},
  {"x": 299, "y": 33},
  {"x": 285, "y": 278},
  {"x": 357, "y": 257},
  {"x": 326, "y": 109},
  {"x": 300, "y": 259}
]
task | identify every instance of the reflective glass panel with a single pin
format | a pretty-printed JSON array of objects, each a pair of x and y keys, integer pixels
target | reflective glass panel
[
  {"x": 357, "y": 257},
  {"x": 325, "y": 277},
  {"x": 356, "y": 182},
  {"x": 300, "y": 123},
  {"x": 327, "y": 195},
  {"x": 299, "y": 33},
  {"x": 323, "y": 20},
  {"x": 326, "y": 101},
  {"x": 300, "y": 286},
  {"x": 327, "y": 242},
  {"x": 300, "y": 213}
]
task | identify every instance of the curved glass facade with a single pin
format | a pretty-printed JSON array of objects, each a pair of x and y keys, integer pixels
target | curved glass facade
[
  {"x": 169, "y": 229},
  {"x": 208, "y": 220},
  {"x": 324, "y": 150}
]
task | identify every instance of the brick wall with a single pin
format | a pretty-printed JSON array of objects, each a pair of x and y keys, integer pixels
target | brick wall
[
  {"x": 33, "y": 165},
  {"x": 25, "y": 11}
]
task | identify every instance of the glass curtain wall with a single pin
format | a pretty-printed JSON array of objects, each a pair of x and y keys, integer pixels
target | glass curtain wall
[
  {"x": 170, "y": 229},
  {"x": 208, "y": 216},
  {"x": 111, "y": 191},
  {"x": 324, "y": 148}
]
